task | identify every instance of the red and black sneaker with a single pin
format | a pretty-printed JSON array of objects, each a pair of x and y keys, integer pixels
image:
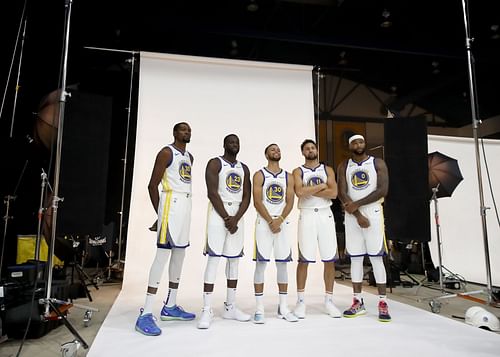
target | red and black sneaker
[
  {"x": 383, "y": 312},
  {"x": 357, "y": 309}
]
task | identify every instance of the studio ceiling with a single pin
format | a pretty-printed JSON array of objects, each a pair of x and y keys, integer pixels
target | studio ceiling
[{"x": 420, "y": 57}]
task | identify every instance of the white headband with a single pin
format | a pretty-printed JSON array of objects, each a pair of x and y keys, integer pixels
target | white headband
[{"x": 355, "y": 137}]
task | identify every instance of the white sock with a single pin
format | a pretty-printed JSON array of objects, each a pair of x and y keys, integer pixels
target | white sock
[
  {"x": 258, "y": 300},
  {"x": 328, "y": 297},
  {"x": 357, "y": 296},
  {"x": 148, "y": 305},
  {"x": 300, "y": 297},
  {"x": 171, "y": 299},
  {"x": 230, "y": 296},
  {"x": 382, "y": 298},
  {"x": 283, "y": 303},
  {"x": 207, "y": 299}
]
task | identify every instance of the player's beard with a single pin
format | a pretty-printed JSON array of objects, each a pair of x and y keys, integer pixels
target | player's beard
[
  {"x": 311, "y": 156},
  {"x": 275, "y": 159},
  {"x": 359, "y": 152}
]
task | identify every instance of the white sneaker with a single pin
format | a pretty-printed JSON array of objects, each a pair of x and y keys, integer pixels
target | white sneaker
[
  {"x": 332, "y": 310},
  {"x": 258, "y": 317},
  {"x": 206, "y": 318},
  {"x": 233, "y": 313},
  {"x": 288, "y": 315},
  {"x": 300, "y": 310}
]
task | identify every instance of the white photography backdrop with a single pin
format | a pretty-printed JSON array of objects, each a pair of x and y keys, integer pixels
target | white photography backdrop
[
  {"x": 260, "y": 102},
  {"x": 461, "y": 232}
]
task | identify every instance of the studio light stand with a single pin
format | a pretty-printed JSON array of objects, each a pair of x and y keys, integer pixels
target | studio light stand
[
  {"x": 41, "y": 211},
  {"x": 22, "y": 24},
  {"x": 7, "y": 216},
  {"x": 9, "y": 198},
  {"x": 475, "y": 125},
  {"x": 49, "y": 302},
  {"x": 441, "y": 267},
  {"x": 434, "y": 302}
]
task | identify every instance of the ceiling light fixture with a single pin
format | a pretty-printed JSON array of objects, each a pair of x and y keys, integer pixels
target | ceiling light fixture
[
  {"x": 386, "y": 22},
  {"x": 234, "y": 48},
  {"x": 495, "y": 35},
  {"x": 342, "y": 61},
  {"x": 435, "y": 66},
  {"x": 252, "y": 6}
]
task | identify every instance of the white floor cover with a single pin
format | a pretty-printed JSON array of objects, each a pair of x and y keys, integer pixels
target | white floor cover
[{"x": 413, "y": 332}]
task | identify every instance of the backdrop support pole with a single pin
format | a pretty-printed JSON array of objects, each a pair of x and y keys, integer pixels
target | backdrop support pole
[{"x": 125, "y": 156}]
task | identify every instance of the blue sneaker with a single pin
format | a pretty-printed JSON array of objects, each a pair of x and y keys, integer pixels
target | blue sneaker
[
  {"x": 175, "y": 312},
  {"x": 146, "y": 325}
]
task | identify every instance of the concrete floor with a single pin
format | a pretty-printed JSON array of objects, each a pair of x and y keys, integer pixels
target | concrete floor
[{"x": 50, "y": 344}]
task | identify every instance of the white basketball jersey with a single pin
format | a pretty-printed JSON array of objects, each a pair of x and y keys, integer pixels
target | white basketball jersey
[
  {"x": 274, "y": 191},
  {"x": 177, "y": 176},
  {"x": 361, "y": 178},
  {"x": 231, "y": 178},
  {"x": 313, "y": 177}
]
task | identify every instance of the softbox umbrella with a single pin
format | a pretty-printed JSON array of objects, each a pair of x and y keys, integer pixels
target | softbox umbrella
[{"x": 443, "y": 172}]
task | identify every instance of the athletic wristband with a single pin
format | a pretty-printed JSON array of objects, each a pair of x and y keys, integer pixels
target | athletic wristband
[{"x": 282, "y": 219}]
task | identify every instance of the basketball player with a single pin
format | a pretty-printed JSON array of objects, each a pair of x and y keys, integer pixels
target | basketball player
[
  {"x": 172, "y": 169},
  {"x": 315, "y": 186},
  {"x": 273, "y": 199},
  {"x": 363, "y": 184},
  {"x": 229, "y": 191}
]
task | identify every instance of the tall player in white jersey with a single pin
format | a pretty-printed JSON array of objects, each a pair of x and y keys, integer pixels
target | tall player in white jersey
[
  {"x": 229, "y": 191},
  {"x": 172, "y": 169},
  {"x": 273, "y": 197},
  {"x": 315, "y": 186},
  {"x": 363, "y": 184}
]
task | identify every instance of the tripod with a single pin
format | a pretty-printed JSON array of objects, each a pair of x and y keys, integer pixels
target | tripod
[
  {"x": 83, "y": 277},
  {"x": 434, "y": 302},
  {"x": 403, "y": 268}
]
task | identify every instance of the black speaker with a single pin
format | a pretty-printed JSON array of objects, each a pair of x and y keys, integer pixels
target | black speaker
[
  {"x": 406, "y": 205},
  {"x": 84, "y": 164}
]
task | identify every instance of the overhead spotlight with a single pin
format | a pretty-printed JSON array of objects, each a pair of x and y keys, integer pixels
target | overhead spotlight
[
  {"x": 495, "y": 35},
  {"x": 386, "y": 22},
  {"x": 252, "y": 6},
  {"x": 342, "y": 61},
  {"x": 435, "y": 66},
  {"x": 394, "y": 91}
]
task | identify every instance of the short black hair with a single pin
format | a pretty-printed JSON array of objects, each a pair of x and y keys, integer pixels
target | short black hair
[
  {"x": 307, "y": 141},
  {"x": 228, "y": 136},
  {"x": 267, "y": 147},
  {"x": 178, "y": 125}
]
